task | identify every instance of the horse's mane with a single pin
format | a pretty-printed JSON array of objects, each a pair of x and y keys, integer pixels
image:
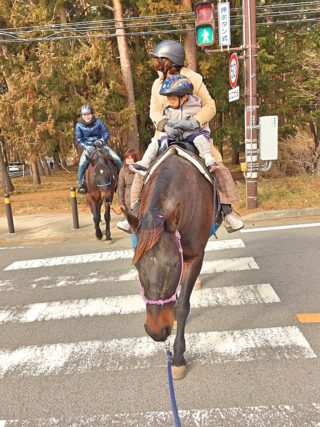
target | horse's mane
[
  {"x": 148, "y": 239},
  {"x": 100, "y": 156},
  {"x": 152, "y": 217}
]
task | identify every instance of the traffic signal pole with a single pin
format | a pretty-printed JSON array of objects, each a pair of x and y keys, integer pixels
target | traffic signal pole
[
  {"x": 250, "y": 119},
  {"x": 204, "y": 33}
]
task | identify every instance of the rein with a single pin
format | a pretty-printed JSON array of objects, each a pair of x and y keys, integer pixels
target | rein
[
  {"x": 174, "y": 407},
  {"x": 108, "y": 184},
  {"x": 173, "y": 298}
]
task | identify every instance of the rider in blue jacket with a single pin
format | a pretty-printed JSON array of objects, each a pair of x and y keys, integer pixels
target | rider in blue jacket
[{"x": 91, "y": 132}]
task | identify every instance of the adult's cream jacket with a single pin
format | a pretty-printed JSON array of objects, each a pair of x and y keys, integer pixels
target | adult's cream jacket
[{"x": 158, "y": 102}]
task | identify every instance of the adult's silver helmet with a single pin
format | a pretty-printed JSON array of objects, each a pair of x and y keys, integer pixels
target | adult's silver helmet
[
  {"x": 170, "y": 49},
  {"x": 86, "y": 109}
]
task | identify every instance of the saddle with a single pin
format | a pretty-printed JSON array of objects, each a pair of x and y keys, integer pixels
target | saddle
[
  {"x": 192, "y": 156},
  {"x": 186, "y": 150},
  {"x": 188, "y": 146}
]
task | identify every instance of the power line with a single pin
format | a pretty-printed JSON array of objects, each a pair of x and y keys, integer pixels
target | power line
[
  {"x": 163, "y": 17},
  {"x": 76, "y": 30}
]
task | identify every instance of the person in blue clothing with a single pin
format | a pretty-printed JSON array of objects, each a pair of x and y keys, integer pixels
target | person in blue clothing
[{"x": 91, "y": 132}]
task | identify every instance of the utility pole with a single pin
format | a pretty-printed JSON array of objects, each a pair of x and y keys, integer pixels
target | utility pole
[{"x": 251, "y": 139}]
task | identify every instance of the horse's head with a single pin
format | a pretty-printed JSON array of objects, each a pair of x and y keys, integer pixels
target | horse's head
[
  {"x": 158, "y": 259},
  {"x": 103, "y": 174}
]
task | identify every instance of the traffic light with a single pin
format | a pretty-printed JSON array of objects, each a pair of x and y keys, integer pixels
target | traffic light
[{"x": 204, "y": 25}]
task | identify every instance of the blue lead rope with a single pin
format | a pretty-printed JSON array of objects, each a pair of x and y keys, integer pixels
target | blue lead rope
[{"x": 177, "y": 422}]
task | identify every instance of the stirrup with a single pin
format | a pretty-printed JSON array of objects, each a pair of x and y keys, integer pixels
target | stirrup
[{"x": 82, "y": 189}]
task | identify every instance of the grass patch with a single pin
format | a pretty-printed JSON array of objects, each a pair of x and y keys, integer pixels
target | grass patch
[{"x": 284, "y": 193}]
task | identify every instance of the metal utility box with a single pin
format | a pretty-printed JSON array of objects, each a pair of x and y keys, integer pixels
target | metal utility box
[{"x": 268, "y": 141}]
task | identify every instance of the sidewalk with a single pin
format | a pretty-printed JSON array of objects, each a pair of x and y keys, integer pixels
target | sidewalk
[{"x": 52, "y": 227}]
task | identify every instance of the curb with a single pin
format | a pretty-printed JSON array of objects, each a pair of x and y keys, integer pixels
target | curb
[{"x": 281, "y": 214}]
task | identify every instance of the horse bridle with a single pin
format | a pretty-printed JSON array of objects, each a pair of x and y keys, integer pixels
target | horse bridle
[
  {"x": 108, "y": 184},
  {"x": 173, "y": 298}
]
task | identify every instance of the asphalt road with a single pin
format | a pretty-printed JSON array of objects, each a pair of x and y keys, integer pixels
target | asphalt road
[{"x": 74, "y": 351}]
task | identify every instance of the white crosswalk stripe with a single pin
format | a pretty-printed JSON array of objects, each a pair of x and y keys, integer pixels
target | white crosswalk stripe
[
  {"x": 232, "y": 295},
  {"x": 254, "y": 416},
  {"x": 141, "y": 352},
  {"x": 215, "y": 245},
  {"x": 208, "y": 267}
]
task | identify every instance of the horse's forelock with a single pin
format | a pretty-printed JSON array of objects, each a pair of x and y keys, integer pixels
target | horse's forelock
[{"x": 150, "y": 230}]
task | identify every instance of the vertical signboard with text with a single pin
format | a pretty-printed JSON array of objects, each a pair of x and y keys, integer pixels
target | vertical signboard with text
[{"x": 224, "y": 24}]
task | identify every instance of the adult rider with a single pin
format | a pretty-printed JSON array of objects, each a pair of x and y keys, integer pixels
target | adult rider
[{"x": 168, "y": 59}]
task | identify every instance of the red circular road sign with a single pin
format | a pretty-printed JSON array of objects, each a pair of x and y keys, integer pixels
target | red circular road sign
[{"x": 233, "y": 70}]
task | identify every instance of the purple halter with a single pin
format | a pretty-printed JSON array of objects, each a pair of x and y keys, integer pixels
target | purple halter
[{"x": 174, "y": 296}]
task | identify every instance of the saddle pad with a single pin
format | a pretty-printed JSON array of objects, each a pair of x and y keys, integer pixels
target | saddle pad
[{"x": 192, "y": 158}]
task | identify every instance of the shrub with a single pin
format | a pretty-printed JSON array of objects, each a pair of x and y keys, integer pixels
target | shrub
[{"x": 298, "y": 155}]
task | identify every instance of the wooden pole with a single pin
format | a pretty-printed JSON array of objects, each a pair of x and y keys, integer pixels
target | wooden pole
[{"x": 251, "y": 141}]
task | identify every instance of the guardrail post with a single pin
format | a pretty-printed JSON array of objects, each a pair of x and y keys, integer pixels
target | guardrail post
[
  {"x": 7, "y": 204},
  {"x": 74, "y": 205}
]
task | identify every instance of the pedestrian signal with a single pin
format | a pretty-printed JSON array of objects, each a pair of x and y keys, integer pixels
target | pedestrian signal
[{"x": 204, "y": 25}]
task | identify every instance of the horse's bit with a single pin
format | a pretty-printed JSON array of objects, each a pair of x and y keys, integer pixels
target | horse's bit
[
  {"x": 107, "y": 184},
  {"x": 173, "y": 298}
]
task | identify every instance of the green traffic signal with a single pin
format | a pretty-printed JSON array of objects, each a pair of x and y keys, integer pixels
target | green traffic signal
[
  {"x": 205, "y": 35},
  {"x": 204, "y": 23}
]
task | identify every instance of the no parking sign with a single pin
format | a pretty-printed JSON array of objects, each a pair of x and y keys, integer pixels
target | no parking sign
[{"x": 234, "y": 93}]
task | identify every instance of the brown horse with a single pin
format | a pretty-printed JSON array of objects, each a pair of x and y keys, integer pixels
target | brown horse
[
  {"x": 101, "y": 178},
  {"x": 176, "y": 214}
]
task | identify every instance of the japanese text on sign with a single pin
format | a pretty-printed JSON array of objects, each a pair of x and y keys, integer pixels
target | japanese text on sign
[{"x": 224, "y": 24}]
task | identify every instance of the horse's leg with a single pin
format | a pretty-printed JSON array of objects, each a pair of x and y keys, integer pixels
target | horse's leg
[
  {"x": 107, "y": 219},
  {"x": 95, "y": 206},
  {"x": 182, "y": 309}
]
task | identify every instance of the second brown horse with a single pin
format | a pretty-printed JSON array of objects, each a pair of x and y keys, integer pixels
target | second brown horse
[{"x": 101, "y": 178}]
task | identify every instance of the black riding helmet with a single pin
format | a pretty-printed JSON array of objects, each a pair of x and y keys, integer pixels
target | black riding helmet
[{"x": 170, "y": 49}]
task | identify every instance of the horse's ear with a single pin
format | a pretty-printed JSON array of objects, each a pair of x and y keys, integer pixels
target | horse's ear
[
  {"x": 132, "y": 220},
  {"x": 90, "y": 159},
  {"x": 173, "y": 219}
]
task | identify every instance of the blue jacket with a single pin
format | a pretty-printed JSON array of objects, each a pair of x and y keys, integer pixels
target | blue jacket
[{"x": 88, "y": 133}]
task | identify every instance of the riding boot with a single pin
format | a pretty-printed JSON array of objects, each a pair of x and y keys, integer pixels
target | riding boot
[
  {"x": 82, "y": 189},
  {"x": 232, "y": 220}
]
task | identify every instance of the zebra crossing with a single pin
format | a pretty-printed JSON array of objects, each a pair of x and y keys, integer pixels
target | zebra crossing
[{"x": 139, "y": 353}]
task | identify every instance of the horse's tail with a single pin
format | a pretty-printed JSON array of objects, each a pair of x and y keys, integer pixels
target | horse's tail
[{"x": 147, "y": 239}]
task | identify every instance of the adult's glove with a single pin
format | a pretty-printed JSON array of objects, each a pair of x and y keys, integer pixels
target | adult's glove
[
  {"x": 184, "y": 124},
  {"x": 90, "y": 151},
  {"x": 173, "y": 134},
  {"x": 98, "y": 143}
]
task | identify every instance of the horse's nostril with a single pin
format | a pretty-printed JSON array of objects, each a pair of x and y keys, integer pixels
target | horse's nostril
[{"x": 162, "y": 335}]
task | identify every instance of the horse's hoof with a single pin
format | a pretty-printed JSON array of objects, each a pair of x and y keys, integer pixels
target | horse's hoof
[
  {"x": 178, "y": 372},
  {"x": 174, "y": 326},
  {"x": 109, "y": 241},
  {"x": 99, "y": 237},
  {"x": 197, "y": 285}
]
